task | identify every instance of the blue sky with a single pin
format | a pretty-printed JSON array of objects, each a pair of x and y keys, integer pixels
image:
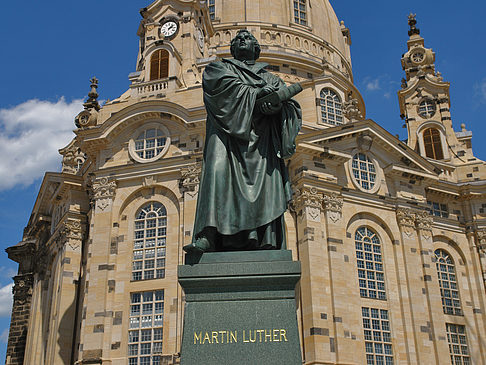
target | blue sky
[{"x": 50, "y": 50}]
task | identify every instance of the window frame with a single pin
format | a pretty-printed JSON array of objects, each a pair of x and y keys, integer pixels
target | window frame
[
  {"x": 455, "y": 310},
  {"x": 146, "y": 126},
  {"x": 433, "y": 143},
  {"x": 361, "y": 256},
  {"x": 160, "y": 76},
  {"x": 378, "y": 171},
  {"x": 137, "y": 333},
  {"x": 139, "y": 267},
  {"x": 323, "y": 101},
  {"x": 421, "y": 141}
]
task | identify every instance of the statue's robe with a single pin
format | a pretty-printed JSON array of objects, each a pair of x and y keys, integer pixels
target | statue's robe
[{"x": 244, "y": 188}]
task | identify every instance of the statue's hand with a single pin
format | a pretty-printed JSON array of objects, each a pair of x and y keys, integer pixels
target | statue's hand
[
  {"x": 270, "y": 109},
  {"x": 264, "y": 91}
]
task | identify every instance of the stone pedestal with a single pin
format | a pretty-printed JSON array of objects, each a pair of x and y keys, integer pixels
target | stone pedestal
[{"x": 240, "y": 309}]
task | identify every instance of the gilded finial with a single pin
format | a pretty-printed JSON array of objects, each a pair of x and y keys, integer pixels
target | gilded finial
[{"x": 412, "y": 21}]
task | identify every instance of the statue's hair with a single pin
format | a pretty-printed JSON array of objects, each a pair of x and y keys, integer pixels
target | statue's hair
[{"x": 257, "y": 49}]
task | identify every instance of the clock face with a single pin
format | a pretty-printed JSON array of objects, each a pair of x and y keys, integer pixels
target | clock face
[{"x": 169, "y": 28}]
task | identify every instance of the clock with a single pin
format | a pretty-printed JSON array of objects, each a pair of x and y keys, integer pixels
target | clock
[{"x": 169, "y": 28}]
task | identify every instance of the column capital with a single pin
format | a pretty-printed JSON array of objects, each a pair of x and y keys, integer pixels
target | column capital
[
  {"x": 103, "y": 191},
  {"x": 333, "y": 205},
  {"x": 308, "y": 201},
  {"x": 190, "y": 177}
]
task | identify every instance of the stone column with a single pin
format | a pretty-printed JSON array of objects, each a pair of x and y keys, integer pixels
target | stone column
[
  {"x": 413, "y": 285},
  {"x": 431, "y": 291},
  {"x": 406, "y": 255},
  {"x": 189, "y": 188},
  {"x": 307, "y": 204},
  {"x": 338, "y": 318},
  {"x": 99, "y": 305}
]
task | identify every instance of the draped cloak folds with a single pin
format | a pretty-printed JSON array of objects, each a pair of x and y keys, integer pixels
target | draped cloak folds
[{"x": 244, "y": 185}]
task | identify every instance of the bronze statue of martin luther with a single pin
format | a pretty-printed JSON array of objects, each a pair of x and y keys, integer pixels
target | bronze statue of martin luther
[{"x": 251, "y": 127}]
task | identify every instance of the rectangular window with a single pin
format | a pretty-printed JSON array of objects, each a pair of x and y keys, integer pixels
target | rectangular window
[
  {"x": 438, "y": 209},
  {"x": 377, "y": 335},
  {"x": 211, "y": 7},
  {"x": 146, "y": 327},
  {"x": 457, "y": 341},
  {"x": 300, "y": 12}
]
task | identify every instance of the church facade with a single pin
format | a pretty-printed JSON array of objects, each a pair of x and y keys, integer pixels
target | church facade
[{"x": 391, "y": 234}]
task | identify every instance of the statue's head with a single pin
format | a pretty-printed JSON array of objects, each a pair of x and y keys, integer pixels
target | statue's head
[{"x": 245, "y": 46}]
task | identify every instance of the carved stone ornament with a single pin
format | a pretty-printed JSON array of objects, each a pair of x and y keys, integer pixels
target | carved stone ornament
[
  {"x": 72, "y": 229},
  {"x": 190, "y": 177},
  {"x": 333, "y": 204},
  {"x": 364, "y": 141},
  {"x": 309, "y": 201},
  {"x": 103, "y": 192},
  {"x": 22, "y": 289},
  {"x": 351, "y": 109},
  {"x": 424, "y": 221},
  {"x": 89, "y": 116},
  {"x": 72, "y": 157},
  {"x": 481, "y": 237},
  {"x": 406, "y": 220}
]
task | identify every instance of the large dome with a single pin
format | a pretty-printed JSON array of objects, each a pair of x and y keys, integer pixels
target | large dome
[
  {"x": 300, "y": 27},
  {"x": 319, "y": 14}
]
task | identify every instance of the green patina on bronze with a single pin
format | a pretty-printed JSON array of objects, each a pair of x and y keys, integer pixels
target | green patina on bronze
[{"x": 244, "y": 189}]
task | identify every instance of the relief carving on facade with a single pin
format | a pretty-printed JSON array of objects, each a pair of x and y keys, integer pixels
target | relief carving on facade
[
  {"x": 333, "y": 205},
  {"x": 351, "y": 109},
  {"x": 481, "y": 237},
  {"x": 103, "y": 192},
  {"x": 309, "y": 201},
  {"x": 406, "y": 220},
  {"x": 190, "y": 178},
  {"x": 22, "y": 290},
  {"x": 424, "y": 222},
  {"x": 72, "y": 158},
  {"x": 71, "y": 232}
]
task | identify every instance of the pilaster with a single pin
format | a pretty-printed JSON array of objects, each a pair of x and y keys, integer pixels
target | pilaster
[
  {"x": 308, "y": 206},
  {"x": 98, "y": 300}
]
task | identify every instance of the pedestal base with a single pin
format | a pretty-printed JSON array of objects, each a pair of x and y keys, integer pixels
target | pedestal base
[{"x": 240, "y": 309}]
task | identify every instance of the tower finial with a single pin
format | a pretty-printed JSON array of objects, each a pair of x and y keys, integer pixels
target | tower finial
[
  {"x": 412, "y": 22},
  {"x": 92, "y": 101}
]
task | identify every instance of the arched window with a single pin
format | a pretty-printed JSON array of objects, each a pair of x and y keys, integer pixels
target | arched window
[
  {"x": 432, "y": 144},
  {"x": 451, "y": 303},
  {"x": 149, "y": 243},
  {"x": 331, "y": 107},
  {"x": 300, "y": 12},
  {"x": 159, "y": 65},
  {"x": 370, "y": 264}
]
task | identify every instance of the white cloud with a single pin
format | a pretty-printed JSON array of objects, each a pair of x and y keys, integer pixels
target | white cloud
[
  {"x": 4, "y": 336},
  {"x": 6, "y": 299},
  {"x": 373, "y": 85},
  {"x": 30, "y": 135}
]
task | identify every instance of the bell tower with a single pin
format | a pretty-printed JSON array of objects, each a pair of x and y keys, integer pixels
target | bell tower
[
  {"x": 173, "y": 46},
  {"x": 424, "y": 101}
]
